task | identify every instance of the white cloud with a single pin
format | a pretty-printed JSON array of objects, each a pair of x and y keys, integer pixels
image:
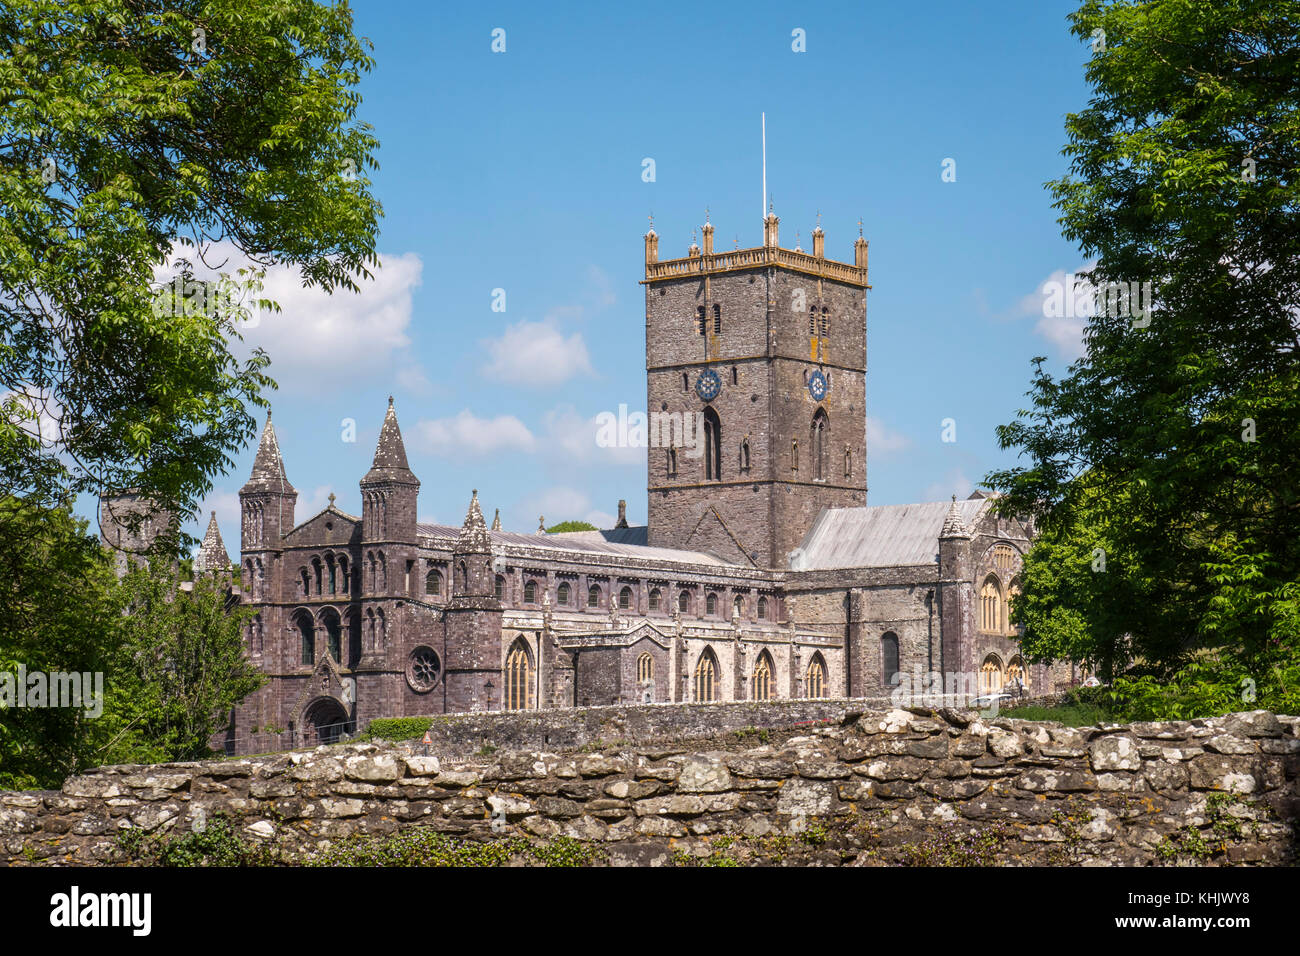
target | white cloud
[
  {"x": 881, "y": 440},
  {"x": 316, "y": 332},
  {"x": 560, "y": 503},
  {"x": 952, "y": 483},
  {"x": 466, "y": 433},
  {"x": 1063, "y": 331},
  {"x": 536, "y": 353},
  {"x": 572, "y": 437}
]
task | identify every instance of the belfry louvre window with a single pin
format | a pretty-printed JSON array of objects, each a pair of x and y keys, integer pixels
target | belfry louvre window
[
  {"x": 717, "y": 318},
  {"x": 763, "y": 678},
  {"x": 820, "y": 424},
  {"x": 712, "y": 445},
  {"x": 519, "y": 678},
  {"x": 700, "y": 320},
  {"x": 706, "y": 677},
  {"x": 815, "y": 680}
]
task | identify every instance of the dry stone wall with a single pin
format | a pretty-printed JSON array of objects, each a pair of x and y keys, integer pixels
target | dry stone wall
[{"x": 915, "y": 786}]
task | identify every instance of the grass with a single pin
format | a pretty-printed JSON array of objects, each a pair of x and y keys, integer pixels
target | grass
[{"x": 1072, "y": 715}]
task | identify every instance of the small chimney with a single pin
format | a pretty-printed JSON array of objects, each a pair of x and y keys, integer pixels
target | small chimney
[{"x": 622, "y": 514}]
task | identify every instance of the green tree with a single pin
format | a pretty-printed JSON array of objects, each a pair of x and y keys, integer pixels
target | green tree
[
  {"x": 1171, "y": 445},
  {"x": 564, "y": 526},
  {"x": 179, "y": 665},
  {"x": 131, "y": 130}
]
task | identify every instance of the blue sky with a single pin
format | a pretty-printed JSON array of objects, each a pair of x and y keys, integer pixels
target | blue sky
[{"x": 522, "y": 171}]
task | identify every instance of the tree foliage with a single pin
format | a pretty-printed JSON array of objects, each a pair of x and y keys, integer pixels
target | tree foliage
[{"x": 1172, "y": 447}]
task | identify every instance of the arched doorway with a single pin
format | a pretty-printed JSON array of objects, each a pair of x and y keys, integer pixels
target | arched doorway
[{"x": 325, "y": 721}]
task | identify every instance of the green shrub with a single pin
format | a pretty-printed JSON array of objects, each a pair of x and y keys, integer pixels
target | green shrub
[{"x": 397, "y": 728}]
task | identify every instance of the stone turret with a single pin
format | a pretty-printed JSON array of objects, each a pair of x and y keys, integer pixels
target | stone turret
[
  {"x": 212, "y": 554},
  {"x": 389, "y": 490},
  {"x": 956, "y": 591},
  {"x": 472, "y": 620},
  {"x": 267, "y": 502}
]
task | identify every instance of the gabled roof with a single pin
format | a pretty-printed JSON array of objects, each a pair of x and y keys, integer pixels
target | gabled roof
[
  {"x": 627, "y": 542},
  {"x": 882, "y": 535}
]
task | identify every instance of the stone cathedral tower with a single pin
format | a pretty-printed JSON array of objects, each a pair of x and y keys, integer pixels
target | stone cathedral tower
[{"x": 767, "y": 348}]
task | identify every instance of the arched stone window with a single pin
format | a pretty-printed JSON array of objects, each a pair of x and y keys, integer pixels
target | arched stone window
[
  {"x": 686, "y": 382},
  {"x": 530, "y": 592},
  {"x": 259, "y": 580},
  {"x": 818, "y": 442},
  {"x": 815, "y": 678},
  {"x": 991, "y": 676},
  {"x": 381, "y": 630},
  {"x": 1017, "y": 674},
  {"x": 684, "y": 602},
  {"x": 333, "y": 573},
  {"x": 433, "y": 582},
  {"x": 645, "y": 668},
  {"x": 354, "y": 639},
  {"x": 794, "y": 455},
  {"x": 518, "y": 690},
  {"x": 712, "y": 445},
  {"x": 826, "y": 321},
  {"x": 706, "y": 676},
  {"x": 593, "y": 596},
  {"x": 625, "y": 599},
  {"x": 762, "y": 681},
  {"x": 762, "y": 608},
  {"x": 991, "y": 606},
  {"x": 654, "y": 599},
  {"x": 672, "y": 462},
  {"x": 711, "y": 604},
  {"x": 308, "y": 635},
  {"x": 889, "y": 669},
  {"x": 316, "y": 574},
  {"x": 738, "y": 605},
  {"x": 1004, "y": 557},
  {"x": 304, "y": 583},
  {"x": 343, "y": 571},
  {"x": 744, "y": 455},
  {"x": 848, "y": 462},
  {"x": 562, "y": 593},
  {"x": 1013, "y": 592},
  {"x": 381, "y": 567},
  {"x": 499, "y": 589}
]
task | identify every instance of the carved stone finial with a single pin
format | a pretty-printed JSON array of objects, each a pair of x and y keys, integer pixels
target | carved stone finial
[
  {"x": 541, "y": 524},
  {"x": 331, "y": 499}
]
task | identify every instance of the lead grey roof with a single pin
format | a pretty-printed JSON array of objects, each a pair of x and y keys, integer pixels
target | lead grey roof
[
  {"x": 879, "y": 536},
  {"x": 628, "y": 542}
]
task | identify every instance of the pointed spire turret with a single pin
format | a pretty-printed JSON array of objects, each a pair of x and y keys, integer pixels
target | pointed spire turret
[
  {"x": 473, "y": 533},
  {"x": 496, "y": 521},
  {"x": 390, "y": 452},
  {"x": 953, "y": 526},
  {"x": 268, "y": 465},
  {"x": 212, "y": 554}
]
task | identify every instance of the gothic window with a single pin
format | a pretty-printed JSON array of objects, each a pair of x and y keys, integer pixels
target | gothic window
[
  {"x": 744, "y": 455},
  {"x": 354, "y": 639},
  {"x": 499, "y": 589},
  {"x": 316, "y": 575},
  {"x": 848, "y": 462},
  {"x": 684, "y": 601},
  {"x": 763, "y": 677},
  {"x": 433, "y": 582},
  {"x": 762, "y": 608},
  {"x": 706, "y": 676},
  {"x": 645, "y": 668},
  {"x": 1017, "y": 676},
  {"x": 259, "y": 580},
  {"x": 794, "y": 455},
  {"x": 308, "y": 636},
  {"x": 304, "y": 585},
  {"x": 593, "y": 596},
  {"x": 686, "y": 382},
  {"x": 672, "y": 462},
  {"x": 711, "y": 604},
  {"x": 530, "y": 592},
  {"x": 1004, "y": 557},
  {"x": 815, "y": 678},
  {"x": 735, "y": 376},
  {"x": 889, "y": 669},
  {"x": 991, "y": 674},
  {"x": 329, "y": 564},
  {"x": 1013, "y": 591},
  {"x": 382, "y": 569},
  {"x": 654, "y": 599},
  {"x": 712, "y": 445},
  {"x": 381, "y": 630},
  {"x": 369, "y": 629},
  {"x": 738, "y": 605},
  {"x": 464, "y": 577},
  {"x": 820, "y": 425},
  {"x": 717, "y": 318},
  {"x": 990, "y": 605},
  {"x": 625, "y": 599},
  {"x": 700, "y": 320},
  {"x": 519, "y": 677},
  {"x": 343, "y": 572},
  {"x": 562, "y": 593}
]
